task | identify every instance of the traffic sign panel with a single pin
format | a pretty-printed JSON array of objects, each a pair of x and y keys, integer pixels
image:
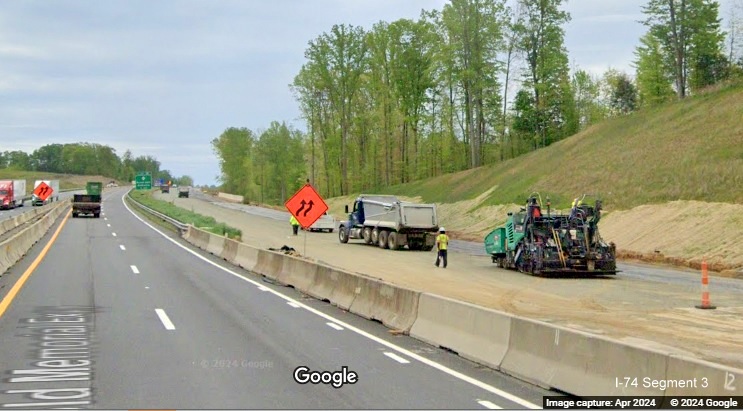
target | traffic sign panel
[
  {"x": 306, "y": 206},
  {"x": 43, "y": 191},
  {"x": 143, "y": 181}
]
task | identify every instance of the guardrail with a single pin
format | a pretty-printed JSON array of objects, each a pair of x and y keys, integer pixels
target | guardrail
[{"x": 177, "y": 224}]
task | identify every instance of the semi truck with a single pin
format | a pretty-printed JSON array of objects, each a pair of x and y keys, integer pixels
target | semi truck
[
  {"x": 12, "y": 193},
  {"x": 387, "y": 222},
  {"x": 54, "y": 196},
  {"x": 90, "y": 202}
]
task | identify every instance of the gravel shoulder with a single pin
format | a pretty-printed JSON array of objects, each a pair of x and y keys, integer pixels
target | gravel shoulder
[{"x": 638, "y": 305}]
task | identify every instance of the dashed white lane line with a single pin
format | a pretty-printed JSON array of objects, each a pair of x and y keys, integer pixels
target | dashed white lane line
[
  {"x": 433, "y": 364},
  {"x": 134, "y": 268},
  {"x": 164, "y": 319},
  {"x": 114, "y": 234},
  {"x": 293, "y": 304},
  {"x": 396, "y": 358},
  {"x": 262, "y": 288},
  {"x": 489, "y": 405},
  {"x": 105, "y": 218},
  {"x": 108, "y": 225},
  {"x": 334, "y": 325},
  {"x": 122, "y": 247},
  {"x": 146, "y": 288}
]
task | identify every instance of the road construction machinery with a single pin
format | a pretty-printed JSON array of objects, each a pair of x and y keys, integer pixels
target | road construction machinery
[
  {"x": 542, "y": 243},
  {"x": 385, "y": 221}
]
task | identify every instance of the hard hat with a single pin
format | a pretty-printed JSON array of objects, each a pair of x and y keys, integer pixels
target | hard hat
[{"x": 442, "y": 230}]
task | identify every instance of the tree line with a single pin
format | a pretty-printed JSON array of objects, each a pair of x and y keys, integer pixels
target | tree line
[{"x": 87, "y": 159}]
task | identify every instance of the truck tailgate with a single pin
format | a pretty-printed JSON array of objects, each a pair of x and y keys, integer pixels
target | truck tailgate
[{"x": 419, "y": 215}]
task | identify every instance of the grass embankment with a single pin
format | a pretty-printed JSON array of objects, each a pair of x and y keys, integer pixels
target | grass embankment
[
  {"x": 188, "y": 217},
  {"x": 66, "y": 181},
  {"x": 685, "y": 150}
]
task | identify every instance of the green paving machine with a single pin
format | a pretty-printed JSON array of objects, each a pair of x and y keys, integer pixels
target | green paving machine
[{"x": 538, "y": 242}]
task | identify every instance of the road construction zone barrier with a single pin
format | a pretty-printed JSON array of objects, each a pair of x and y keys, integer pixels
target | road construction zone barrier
[
  {"x": 15, "y": 247},
  {"x": 555, "y": 357}
]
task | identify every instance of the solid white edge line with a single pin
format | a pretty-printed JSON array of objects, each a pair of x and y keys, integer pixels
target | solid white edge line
[
  {"x": 114, "y": 234},
  {"x": 424, "y": 360},
  {"x": 262, "y": 288},
  {"x": 164, "y": 319},
  {"x": 295, "y": 305},
  {"x": 397, "y": 358},
  {"x": 108, "y": 225},
  {"x": 134, "y": 268},
  {"x": 122, "y": 247},
  {"x": 489, "y": 405},
  {"x": 334, "y": 326}
]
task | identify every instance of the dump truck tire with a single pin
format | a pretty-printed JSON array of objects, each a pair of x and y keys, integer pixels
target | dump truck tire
[
  {"x": 392, "y": 241},
  {"x": 342, "y": 235},
  {"x": 383, "y": 239}
]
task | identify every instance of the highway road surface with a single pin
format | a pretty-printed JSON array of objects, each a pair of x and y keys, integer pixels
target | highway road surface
[{"x": 113, "y": 313}]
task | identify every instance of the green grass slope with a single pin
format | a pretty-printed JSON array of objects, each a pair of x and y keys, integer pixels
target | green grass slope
[{"x": 685, "y": 150}]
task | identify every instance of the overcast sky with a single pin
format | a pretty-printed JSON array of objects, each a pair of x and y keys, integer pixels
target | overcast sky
[{"x": 164, "y": 78}]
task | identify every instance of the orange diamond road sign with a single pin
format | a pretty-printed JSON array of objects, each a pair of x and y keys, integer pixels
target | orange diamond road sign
[
  {"x": 306, "y": 206},
  {"x": 43, "y": 191}
]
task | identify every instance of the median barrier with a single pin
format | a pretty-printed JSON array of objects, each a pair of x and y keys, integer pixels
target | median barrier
[
  {"x": 215, "y": 244},
  {"x": 475, "y": 333},
  {"x": 229, "y": 250},
  {"x": 197, "y": 237},
  {"x": 706, "y": 378},
  {"x": 231, "y": 197},
  {"x": 579, "y": 363},
  {"x": 394, "y": 306},
  {"x": 246, "y": 257},
  {"x": 269, "y": 263},
  {"x": 335, "y": 286},
  {"x": 297, "y": 273}
]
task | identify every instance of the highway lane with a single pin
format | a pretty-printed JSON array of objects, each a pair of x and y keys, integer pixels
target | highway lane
[
  {"x": 160, "y": 325},
  {"x": 635, "y": 271}
]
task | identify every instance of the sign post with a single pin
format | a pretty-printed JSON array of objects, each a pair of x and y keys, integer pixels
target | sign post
[{"x": 306, "y": 206}]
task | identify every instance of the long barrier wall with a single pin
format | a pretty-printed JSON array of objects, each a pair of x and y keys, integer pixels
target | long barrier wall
[
  {"x": 555, "y": 357},
  {"x": 15, "y": 247},
  {"x": 231, "y": 197}
]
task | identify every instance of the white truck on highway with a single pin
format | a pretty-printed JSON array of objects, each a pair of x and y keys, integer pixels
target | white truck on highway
[
  {"x": 54, "y": 196},
  {"x": 390, "y": 223}
]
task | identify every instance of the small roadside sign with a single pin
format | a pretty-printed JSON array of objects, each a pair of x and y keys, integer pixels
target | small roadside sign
[
  {"x": 306, "y": 206},
  {"x": 43, "y": 191}
]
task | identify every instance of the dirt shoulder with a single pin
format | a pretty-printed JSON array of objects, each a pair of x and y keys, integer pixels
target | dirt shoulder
[{"x": 623, "y": 307}]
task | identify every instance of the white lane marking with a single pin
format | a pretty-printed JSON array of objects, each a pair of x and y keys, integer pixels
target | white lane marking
[
  {"x": 489, "y": 405},
  {"x": 114, "y": 234},
  {"x": 293, "y": 304},
  {"x": 146, "y": 288},
  {"x": 105, "y": 218},
  {"x": 397, "y": 358},
  {"x": 122, "y": 247},
  {"x": 334, "y": 325},
  {"x": 134, "y": 268},
  {"x": 108, "y": 225},
  {"x": 262, "y": 288},
  {"x": 456, "y": 374},
  {"x": 164, "y": 319}
]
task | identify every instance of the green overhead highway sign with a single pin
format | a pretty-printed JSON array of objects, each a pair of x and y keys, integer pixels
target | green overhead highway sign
[{"x": 143, "y": 181}]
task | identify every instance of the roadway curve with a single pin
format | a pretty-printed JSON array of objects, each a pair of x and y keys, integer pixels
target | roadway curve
[{"x": 158, "y": 324}]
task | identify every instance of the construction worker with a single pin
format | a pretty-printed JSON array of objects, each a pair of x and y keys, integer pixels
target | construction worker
[
  {"x": 442, "y": 241},
  {"x": 295, "y": 224}
]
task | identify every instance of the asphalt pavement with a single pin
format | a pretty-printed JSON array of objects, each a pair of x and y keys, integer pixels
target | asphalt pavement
[{"x": 120, "y": 314}]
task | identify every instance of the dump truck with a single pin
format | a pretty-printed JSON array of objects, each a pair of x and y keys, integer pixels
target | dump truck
[
  {"x": 165, "y": 188},
  {"x": 550, "y": 244},
  {"x": 12, "y": 193},
  {"x": 53, "y": 196},
  {"x": 183, "y": 191},
  {"x": 90, "y": 202},
  {"x": 390, "y": 223}
]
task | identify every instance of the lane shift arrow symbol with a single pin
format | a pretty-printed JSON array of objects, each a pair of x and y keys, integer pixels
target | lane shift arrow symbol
[
  {"x": 302, "y": 208},
  {"x": 308, "y": 209}
]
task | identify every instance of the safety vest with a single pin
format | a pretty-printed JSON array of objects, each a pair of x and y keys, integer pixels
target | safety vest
[
  {"x": 293, "y": 221},
  {"x": 443, "y": 240}
]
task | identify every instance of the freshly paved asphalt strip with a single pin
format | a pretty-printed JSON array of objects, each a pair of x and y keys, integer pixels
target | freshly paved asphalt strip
[{"x": 155, "y": 324}]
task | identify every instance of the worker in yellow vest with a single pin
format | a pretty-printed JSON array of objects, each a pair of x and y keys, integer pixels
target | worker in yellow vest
[
  {"x": 442, "y": 241},
  {"x": 295, "y": 224}
]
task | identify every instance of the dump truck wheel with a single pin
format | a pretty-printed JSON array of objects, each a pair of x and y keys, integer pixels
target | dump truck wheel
[
  {"x": 383, "y": 239},
  {"x": 367, "y": 234},
  {"x": 342, "y": 235},
  {"x": 392, "y": 242},
  {"x": 374, "y": 236}
]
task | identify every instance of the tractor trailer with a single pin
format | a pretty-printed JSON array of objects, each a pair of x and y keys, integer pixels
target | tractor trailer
[
  {"x": 12, "y": 193},
  {"x": 390, "y": 223}
]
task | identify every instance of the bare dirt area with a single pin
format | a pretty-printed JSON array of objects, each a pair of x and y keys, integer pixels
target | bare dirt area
[{"x": 625, "y": 307}]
